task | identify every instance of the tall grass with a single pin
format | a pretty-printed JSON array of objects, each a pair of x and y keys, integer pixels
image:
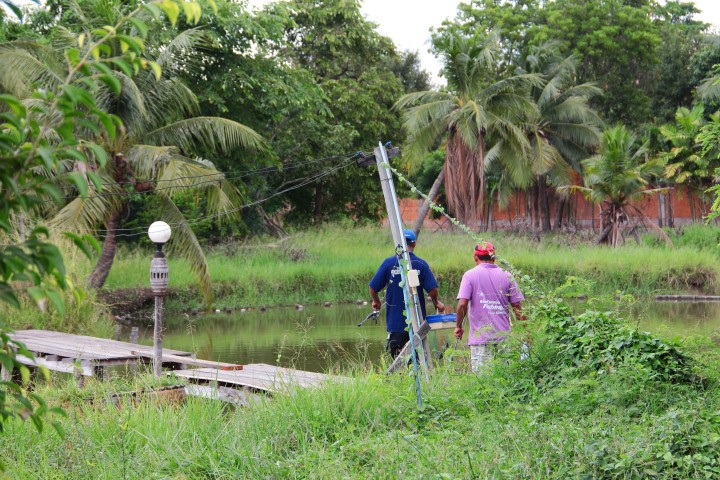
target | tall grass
[
  {"x": 84, "y": 315},
  {"x": 506, "y": 422},
  {"x": 334, "y": 264}
]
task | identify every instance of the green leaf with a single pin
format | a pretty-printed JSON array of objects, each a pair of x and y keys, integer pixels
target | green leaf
[
  {"x": 57, "y": 300},
  {"x": 123, "y": 65},
  {"x": 7, "y": 295},
  {"x": 153, "y": 9},
  {"x": 112, "y": 82},
  {"x": 156, "y": 69},
  {"x": 48, "y": 159},
  {"x": 140, "y": 26},
  {"x": 171, "y": 10},
  {"x": 109, "y": 125},
  {"x": 86, "y": 243},
  {"x": 95, "y": 179},
  {"x": 100, "y": 155},
  {"x": 79, "y": 181}
]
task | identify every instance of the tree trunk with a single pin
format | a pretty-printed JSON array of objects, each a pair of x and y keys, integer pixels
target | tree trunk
[
  {"x": 489, "y": 216},
  {"x": 661, "y": 210},
  {"x": 603, "y": 235},
  {"x": 650, "y": 224},
  {"x": 559, "y": 214},
  {"x": 536, "y": 212},
  {"x": 544, "y": 204},
  {"x": 425, "y": 207},
  {"x": 464, "y": 178},
  {"x": 271, "y": 224},
  {"x": 107, "y": 255}
]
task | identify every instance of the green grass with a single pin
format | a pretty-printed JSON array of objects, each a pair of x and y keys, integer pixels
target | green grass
[
  {"x": 507, "y": 422},
  {"x": 84, "y": 315},
  {"x": 335, "y": 264}
]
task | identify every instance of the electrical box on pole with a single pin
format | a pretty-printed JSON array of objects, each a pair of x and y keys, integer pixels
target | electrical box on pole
[{"x": 418, "y": 326}]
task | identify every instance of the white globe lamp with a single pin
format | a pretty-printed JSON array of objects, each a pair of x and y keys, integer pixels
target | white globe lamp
[{"x": 159, "y": 232}]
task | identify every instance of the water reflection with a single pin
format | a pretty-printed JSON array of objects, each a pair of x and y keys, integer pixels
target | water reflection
[{"x": 320, "y": 338}]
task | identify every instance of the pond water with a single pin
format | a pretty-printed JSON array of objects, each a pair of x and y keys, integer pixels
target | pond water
[{"x": 320, "y": 338}]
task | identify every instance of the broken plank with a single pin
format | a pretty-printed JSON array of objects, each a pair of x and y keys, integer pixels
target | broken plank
[
  {"x": 84, "y": 368},
  {"x": 190, "y": 361}
]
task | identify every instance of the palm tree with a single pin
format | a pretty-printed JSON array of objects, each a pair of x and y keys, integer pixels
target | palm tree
[
  {"x": 475, "y": 106},
  {"x": 614, "y": 177},
  {"x": 686, "y": 162},
  {"x": 562, "y": 133},
  {"x": 158, "y": 142}
]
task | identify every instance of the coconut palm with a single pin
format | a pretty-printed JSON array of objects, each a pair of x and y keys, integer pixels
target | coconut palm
[
  {"x": 614, "y": 177},
  {"x": 561, "y": 134},
  {"x": 475, "y": 106},
  {"x": 687, "y": 163},
  {"x": 158, "y": 142}
]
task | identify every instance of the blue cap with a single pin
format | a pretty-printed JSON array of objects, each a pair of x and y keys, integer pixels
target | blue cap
[{"x": 409, "y": 236}]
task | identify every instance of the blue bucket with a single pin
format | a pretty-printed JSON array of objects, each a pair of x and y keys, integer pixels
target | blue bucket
[{"x": 447, "y": 317}]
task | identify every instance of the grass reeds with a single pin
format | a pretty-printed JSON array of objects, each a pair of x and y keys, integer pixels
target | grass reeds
[
  {"x": 506, "y": 422},
  {"x": 334, "y": 264}
]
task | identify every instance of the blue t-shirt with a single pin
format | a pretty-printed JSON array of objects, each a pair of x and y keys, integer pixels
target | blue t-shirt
[{"x": 388, "y": 275}]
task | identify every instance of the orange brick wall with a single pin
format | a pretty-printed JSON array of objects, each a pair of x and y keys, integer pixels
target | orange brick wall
[{"x": 514, "y": 215}]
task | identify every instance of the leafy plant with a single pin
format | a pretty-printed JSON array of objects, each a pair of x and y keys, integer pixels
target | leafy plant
[
  {"x": 38, "y": 135},
  {"x": 596, "y": 343}
]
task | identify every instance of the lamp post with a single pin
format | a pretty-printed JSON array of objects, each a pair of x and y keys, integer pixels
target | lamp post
[{"x": 159, "y": 233}]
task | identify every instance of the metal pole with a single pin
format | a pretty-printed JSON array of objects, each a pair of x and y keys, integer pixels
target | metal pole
[
  {"x": 393, "y": 207},
  {"x": 157, "y": 336}
]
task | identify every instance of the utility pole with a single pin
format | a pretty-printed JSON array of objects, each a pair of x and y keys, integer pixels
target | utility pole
[{"x": 418, "y": 326}]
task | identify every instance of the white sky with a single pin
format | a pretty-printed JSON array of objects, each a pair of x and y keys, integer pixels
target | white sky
[{"x": 408, "y": 22}]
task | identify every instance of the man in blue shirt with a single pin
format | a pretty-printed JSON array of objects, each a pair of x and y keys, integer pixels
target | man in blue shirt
[{"x": 388, "y": 275}]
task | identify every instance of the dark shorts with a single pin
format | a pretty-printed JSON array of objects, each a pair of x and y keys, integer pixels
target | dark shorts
[{"x": 396, "y": 341}]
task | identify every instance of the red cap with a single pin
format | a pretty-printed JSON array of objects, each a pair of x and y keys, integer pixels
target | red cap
[{"x": 485, "y": 249}]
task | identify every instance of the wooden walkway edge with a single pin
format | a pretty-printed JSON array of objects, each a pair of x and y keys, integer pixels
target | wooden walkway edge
[
  {"x": 259, "y": 376},
  {"x": 87, "y": 356}
]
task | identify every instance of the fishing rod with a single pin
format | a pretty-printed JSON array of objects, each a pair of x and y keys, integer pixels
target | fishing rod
[{"x": 374, "y": 315}]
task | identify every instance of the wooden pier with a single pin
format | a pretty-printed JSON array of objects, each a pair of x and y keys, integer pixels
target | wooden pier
[
  {"x": 88, "y": 356},
  {"x": 258, "y": 376}
]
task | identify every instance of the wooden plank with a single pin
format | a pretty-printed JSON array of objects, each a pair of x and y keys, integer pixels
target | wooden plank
[
  {"x": 192, "y": 361},
  {"x": 225, "y": 394},
  {"x": 86, "y": 369},
  {"x": 442, "y": 325},
  {"x": 241, "y": 378},
  {"x": 264, "y": 377},
  {"x": 289, "y": 371},
  {"x": 80, "y": 346}
]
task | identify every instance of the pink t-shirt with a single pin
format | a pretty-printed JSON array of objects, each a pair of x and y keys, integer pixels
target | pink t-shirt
[{"x": 490, "y": 290}]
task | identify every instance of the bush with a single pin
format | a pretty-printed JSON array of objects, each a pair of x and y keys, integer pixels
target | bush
[{"x": 596, "y": 343}]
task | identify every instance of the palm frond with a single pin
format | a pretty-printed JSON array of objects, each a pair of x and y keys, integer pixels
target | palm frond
[
  {"x": 181, "y": 53},
  {"x": 130, "y": 105},
  {"x": 86, "y": 214},
  {"x": 185, "y": 244},
  {"x": 147, "y": 161},
  {"x": 211, "y": 133},
  {"x": 709, "y": 89},
  {"x": 424, "y": 97},
  {"x": 223, "y": 197},
  {"x": 23, "y": 70}
]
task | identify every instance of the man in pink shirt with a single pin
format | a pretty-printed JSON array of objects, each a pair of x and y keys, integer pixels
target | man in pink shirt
[{"x": 490, "y": 291}]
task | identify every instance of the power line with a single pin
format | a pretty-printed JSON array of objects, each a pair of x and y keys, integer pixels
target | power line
[
  {"x": 140, "y": 231},
  {"x": 222, "y": 175}
]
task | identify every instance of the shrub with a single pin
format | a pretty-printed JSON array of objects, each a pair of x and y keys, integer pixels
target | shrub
[{"x": 600, "y": 342}]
